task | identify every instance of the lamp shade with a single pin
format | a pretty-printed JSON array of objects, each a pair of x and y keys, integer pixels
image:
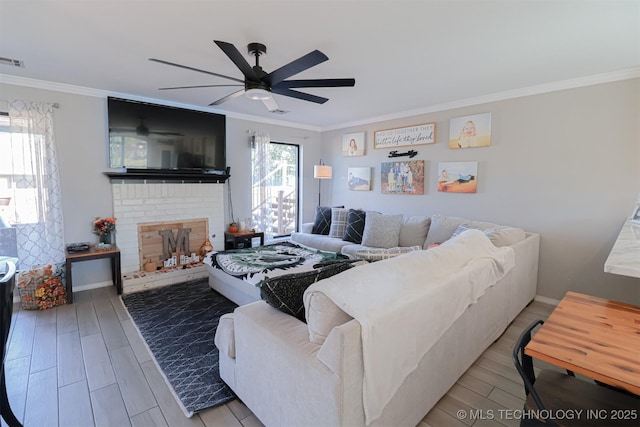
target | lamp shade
[{"x": 322, "y": 172}]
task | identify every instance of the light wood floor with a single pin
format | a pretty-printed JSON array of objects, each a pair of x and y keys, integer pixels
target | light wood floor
[{"x": 85, "y": 365}]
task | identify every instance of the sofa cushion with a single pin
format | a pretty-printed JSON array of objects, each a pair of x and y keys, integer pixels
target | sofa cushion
[
  {"x": 319, "y": 241},
  {"x": 501, "y": 236},
  {"x": 381, "y": 231},
  {"x": 322, "y": 316},
  {"x": 338, "y": 222},
  {"x": 285, "y": 292},
  {"x": 442, "y": 227},
  {"x": 322, "y": 222},
  {"x": 413, "y": 230},
  {"x": 355, "y": 226}
]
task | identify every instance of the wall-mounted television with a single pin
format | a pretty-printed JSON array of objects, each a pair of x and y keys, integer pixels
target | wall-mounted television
[{"x": 158, "y": 138}]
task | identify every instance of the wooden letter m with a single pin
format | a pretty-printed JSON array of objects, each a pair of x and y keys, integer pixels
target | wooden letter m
[{"x": 171, "y": 244}]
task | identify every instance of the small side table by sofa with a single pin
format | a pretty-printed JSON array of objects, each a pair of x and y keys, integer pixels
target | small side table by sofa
[
  {"x": 113, "y": 254},
  {"x": 241, "y": 239}
]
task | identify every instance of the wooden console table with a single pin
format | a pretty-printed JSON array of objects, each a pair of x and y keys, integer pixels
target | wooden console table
[
  {"x": 239, "y": 240},
  {"x": 113, "y": 254},
  {"x": 592, "y": 336}
]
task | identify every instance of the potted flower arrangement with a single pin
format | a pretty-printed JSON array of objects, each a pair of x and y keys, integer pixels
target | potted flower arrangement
[{"x": 104, "y": 227}]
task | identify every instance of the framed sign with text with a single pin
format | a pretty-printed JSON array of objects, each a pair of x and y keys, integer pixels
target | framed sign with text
[{"x": 405, "y": 136}]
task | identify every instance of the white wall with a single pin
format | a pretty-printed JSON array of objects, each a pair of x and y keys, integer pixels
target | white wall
[{"x": 564, "y": 164}]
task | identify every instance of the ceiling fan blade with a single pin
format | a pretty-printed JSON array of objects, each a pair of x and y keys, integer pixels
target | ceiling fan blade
[
  {"x": 228, "y": 97},
  {"x": 236, "y": 57},
  {"x": 194, "y": 87},
  {"x": 317, "y": 83},
  {"x": 195, "y": 69},
  {"x": 300, "y": 95},
  {"x": 271, "y": 104},
  {"x": 309, "y": 60}
]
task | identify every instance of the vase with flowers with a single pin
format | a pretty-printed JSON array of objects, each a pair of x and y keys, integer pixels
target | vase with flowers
[{"x": 104, "y": 228}]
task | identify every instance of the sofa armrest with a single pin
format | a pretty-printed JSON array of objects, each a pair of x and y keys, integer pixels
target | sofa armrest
[
  {"x": 225, "y": 335},
  {"x": 306, "y": 227},
  {"x": 342, "y": 350}
]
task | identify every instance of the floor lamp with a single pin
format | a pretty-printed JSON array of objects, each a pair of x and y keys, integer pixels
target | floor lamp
[{"x": 322, "y": 172}]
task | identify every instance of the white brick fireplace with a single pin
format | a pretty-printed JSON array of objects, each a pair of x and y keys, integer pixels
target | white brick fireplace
[{"x": 135, "y": 203}]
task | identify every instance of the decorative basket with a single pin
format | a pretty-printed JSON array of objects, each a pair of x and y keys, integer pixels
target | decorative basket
[{"x": 42, "y": 287}]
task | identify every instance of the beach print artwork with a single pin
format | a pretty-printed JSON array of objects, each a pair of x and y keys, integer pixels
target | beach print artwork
[
  {"x": 458, "y": 177},
  {"x": 470, "y": 131},
  {"x": 402, "y": 177},
  {"x": 359, "y": 179}
]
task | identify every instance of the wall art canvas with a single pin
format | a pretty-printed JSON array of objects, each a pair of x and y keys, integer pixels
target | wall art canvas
[
  {"x": 359, "y": 179},
  {"x": 402, "y": 177},
  {"x": 353, "y": 144},
  {"x": 470, "y": 131},
  {"x": 405, "y": 136},
  {"x": 458, "y": 177}
]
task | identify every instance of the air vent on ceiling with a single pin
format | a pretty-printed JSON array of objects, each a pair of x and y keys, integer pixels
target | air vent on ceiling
[{"x": 11, "y": 61}]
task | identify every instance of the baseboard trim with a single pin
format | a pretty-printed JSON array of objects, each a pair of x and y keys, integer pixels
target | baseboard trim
[
  {"x": 546, "y": 300},
  {"x": 88, "y": 286}
]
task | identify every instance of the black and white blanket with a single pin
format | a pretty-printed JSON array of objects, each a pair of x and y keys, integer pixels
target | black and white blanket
[{"x": 256, "y": 264}]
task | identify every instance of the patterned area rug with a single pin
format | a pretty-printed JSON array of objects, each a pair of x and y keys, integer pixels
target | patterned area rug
[{"x": 178, "y": 323}]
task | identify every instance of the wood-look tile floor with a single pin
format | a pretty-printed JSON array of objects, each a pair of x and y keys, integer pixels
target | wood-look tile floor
[{"x": 85, "y": 365}]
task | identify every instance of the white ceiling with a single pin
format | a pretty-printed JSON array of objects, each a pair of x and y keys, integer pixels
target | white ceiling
[{"x": 405, "y": 56}]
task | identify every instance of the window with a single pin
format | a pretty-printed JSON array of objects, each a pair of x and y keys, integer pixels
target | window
[
  {"x": 274, "y": 192},
  {"x": 30, "y": 196}
]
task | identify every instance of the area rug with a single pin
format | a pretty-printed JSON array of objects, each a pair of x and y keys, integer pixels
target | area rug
[{"x": 178, "y": 323}]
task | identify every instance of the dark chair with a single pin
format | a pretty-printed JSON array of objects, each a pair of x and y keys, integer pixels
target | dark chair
[
  {"x": 556, "y": 393},
  {"x": 7, "y": 283}
]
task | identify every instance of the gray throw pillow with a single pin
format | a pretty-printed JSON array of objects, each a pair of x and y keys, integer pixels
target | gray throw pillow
[{"x": 381, "y": 231}]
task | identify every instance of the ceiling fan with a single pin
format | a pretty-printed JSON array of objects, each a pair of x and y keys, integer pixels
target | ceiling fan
[
  {"x": 259, "y": 85},
  {"x": 143, "y": 130}
]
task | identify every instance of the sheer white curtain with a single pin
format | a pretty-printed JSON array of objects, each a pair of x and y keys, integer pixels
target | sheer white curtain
[
  {"x": 261, "y": 189},
  {"x": 36, "y": 207}
]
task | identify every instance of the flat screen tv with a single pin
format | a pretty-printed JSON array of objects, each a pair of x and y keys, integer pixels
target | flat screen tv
[{"x": 162, "y": 138}]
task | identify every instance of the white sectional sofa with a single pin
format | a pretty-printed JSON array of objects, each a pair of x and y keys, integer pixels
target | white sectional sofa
[{"x": 319, "y": 373}]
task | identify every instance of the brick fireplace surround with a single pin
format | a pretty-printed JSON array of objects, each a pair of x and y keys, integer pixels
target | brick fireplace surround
[{"x": 135, "y": 203}]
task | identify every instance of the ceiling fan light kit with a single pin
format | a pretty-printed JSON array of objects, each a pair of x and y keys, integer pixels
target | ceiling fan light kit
[
  {"x": 257, "y": 94},
  {"x": 260, "y": 85}
]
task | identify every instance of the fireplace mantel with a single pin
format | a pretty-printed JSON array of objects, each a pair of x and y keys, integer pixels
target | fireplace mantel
[{"x": 167, "y": 176}]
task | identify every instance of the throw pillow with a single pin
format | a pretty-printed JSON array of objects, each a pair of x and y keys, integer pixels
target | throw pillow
[
  {"x": 414, "y": 230},
  {"x": 322, "y": 222},
  {"x": 503, "y": 236},
  {"x": 381, "y": 231},
  {"x": 355, "y": 226},
  {"x": 338, "y": 222},
  {"x": 285, "y": 293},
  {"x": 381, "y": 253}
]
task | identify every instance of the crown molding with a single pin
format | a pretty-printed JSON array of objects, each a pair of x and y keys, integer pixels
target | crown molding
[
  {"x": 98, "y": 93},
  {"x": 625, "y": 74}
]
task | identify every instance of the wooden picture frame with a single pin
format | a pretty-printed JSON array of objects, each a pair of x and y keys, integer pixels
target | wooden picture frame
[{"x": 407, "y": 136}]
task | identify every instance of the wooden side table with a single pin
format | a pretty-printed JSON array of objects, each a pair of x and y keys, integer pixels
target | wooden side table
[
  {"x": 113, "y": 254},
  {"x": 240, "y": 239}
]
